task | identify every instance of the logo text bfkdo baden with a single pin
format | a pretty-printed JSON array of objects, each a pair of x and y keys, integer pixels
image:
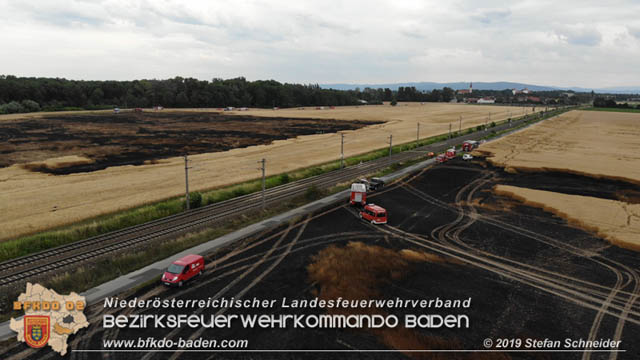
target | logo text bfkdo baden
[{"x": 49, "y": 318}]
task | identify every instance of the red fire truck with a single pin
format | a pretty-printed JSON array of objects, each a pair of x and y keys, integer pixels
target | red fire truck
[
  {"x": 358, "y": 194},
  {"x": 469, "y": 145},
  {"x": 451, "y": 153},
  {"x": 374, "y": 213},
  {"x": 441, "y": 158}
]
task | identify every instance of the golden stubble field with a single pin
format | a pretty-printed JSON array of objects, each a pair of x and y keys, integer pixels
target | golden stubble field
[
  {"x": 613, "y": 220},
  {"x": 594, "y": 143},
  {"x": 32, "y": 201},
  {"x": 590, "y": 143}
]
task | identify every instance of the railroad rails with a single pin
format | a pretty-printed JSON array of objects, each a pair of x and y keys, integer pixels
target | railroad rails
[{"x": 20, "y": 269}]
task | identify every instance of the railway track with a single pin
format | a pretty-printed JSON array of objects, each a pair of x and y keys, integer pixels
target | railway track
[{"x": 21, "y": 269}]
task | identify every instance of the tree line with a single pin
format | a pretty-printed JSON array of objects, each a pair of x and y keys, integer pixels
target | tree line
[
  {"x": 407, "y": 93},
  {"x": 611, "y": 103},
  {"x": 30, "y": 94},
  {"x": 21, "y": 94}
]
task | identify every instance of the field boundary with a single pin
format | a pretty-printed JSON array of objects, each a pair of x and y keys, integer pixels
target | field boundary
[
  {"x": 625, "y": 110},
  {"x": 146, "y": 273},
  {"x": 43, "y": 240}
]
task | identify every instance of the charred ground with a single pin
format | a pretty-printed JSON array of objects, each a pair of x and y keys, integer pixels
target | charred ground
[
  {"x": 132, "y": 138},
  {"x": 529, "y": 274}
]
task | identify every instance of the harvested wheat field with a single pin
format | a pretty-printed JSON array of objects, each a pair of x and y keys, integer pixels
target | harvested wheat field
[
  {"x": 600, "y": 145},
  {"x": 591, "y": 143},
  {"x": 615, "y": 221},
  {"x": 32, "y": 201},
  {"x": 89, "y": 142}
]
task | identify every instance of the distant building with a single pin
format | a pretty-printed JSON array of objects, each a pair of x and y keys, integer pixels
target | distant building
[
  {"x": 471, "y": 100},
  {"x": 523, "y": 91},
  {"x": 466, "y": 91},
  {"x": 486, "y": 100}
]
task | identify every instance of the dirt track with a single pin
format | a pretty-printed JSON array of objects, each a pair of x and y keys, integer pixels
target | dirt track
[{"x": 530, "y": 275}]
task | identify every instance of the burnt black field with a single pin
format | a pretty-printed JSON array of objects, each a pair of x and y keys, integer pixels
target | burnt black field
[
  {"x": 131, "y": 138},
  {"x": 504, "y": 304}
]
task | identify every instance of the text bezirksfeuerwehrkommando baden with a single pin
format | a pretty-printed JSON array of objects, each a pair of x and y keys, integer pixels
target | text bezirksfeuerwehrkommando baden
[{"x": 285, "y": 303}]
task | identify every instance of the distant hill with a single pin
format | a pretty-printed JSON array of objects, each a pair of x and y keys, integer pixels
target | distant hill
[{"x": 499, "y": 85}]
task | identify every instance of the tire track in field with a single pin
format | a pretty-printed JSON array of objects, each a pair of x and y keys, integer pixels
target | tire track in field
[
  {"x": 255, "y": 281},
  {"x": 232, "y": 283},
  {"x": 527, "y": 233},
  {"x": 455, "y": 236},
  {"x": 611, "y": 297},
  {"x": 501, "y": 269}
]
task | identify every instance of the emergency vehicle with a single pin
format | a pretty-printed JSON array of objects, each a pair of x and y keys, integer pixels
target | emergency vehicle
[
  {"x": 469, "y": 145},
  {"x": 358, "y": 194},
  {"x": 376, "y": 184},
  {"x": 183, "y": 270},
  {"x": 451, "y": 153},
  {"x": 374, "y": 213}
]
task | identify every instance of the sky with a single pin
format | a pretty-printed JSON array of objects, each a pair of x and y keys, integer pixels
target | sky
[{"x": 556, "y": 43}]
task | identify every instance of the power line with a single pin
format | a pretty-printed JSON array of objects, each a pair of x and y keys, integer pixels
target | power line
[
  {"x": 186, "y": 180},
  {"x": 341, "y": 150},
  {"x": 263, "y": 161}
]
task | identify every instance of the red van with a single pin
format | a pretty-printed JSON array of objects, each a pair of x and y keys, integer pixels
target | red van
[
  {"x": 374, "y": 213},
  {"x": 183, "y": 270}
]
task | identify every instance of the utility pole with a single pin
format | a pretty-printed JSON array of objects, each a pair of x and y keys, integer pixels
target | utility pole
[
  {"x": 390, "y": 143},
  {"x": 186, "y": 180},
  {"x": 341, "y": 150},
  {"x": 460, "y": 126},
  {"x": 449, "y": 130},
  {"x": 263, "y": 161},
  {"x": 418, "y": 133}
]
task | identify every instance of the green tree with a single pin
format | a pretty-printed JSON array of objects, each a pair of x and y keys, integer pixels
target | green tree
[
  {"x": 97, "y": 96},
  {"x": 13, "y": 107},
  {"x": 448, "y": 94},
  {"x": 30, "y": 106}
]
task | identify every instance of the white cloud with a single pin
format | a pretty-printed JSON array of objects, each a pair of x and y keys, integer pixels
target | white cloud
[{"x": 536, "y": 41}]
